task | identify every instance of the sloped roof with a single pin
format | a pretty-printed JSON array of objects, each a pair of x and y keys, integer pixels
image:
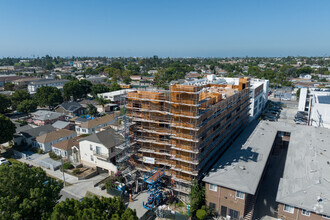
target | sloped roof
[
  {"x": 109, "y": 138},
  {"x": 38, "y": 131},
  {"x": 54, "y": 135},
  {"x": 97, "y": 121},
  {"x": 46, "y": 115},
  {"x": 60, "y": 124},
  {"x": 23, "y": 128},
  {"x": 68, "y": 144},
  {"x": 70, "y": 106}
]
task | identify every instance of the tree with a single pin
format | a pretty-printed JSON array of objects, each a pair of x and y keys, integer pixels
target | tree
[
  {"x": 126, "y": 76},
  {"x": 7, "y": 129},
  {"x": 72, "y": 89},
  {"x": 86, "y": 86},
  {"x": 5, "y": 103},
  {"x": 48, "y": 96},
  {"x": 50, "y": 66},
  {"x": 114, "y": 87},
  {"x": 102, "y": 101},
  {"x": 91, "y": 110},
  {"x": 9, "y": 86},
  {"x": 99, "y": 88},
  {"x": 93, "y": 208},
  {"x": 19, "y": 96},
  {"x": 201, "y": 214},
  {"x": 27, "y": 193},
  {"x": 197, "y": 197},
  {"x": 27, "y": 106}
]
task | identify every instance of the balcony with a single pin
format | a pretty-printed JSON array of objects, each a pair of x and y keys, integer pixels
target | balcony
[{"x": 98, "y": 154}]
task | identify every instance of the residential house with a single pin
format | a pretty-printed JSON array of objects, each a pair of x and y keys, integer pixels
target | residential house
[
  {"x": 78, "y": 120},
  {"x": 27, "y": 135},
  {"x": 89, "y": 127},
  {"x": 70, "y": 109},
  {"x": 96, "y": 80},
  {"x": 99, "y": 150},
  {"x": 63, "y": 125},
  {"x": 136, "y": 77},
  {"x": 46, "y": 141},
  {"x": 43, "y": 117},
  {"x": 85, "y": 102},
  {"x": 68, "y": 149}
]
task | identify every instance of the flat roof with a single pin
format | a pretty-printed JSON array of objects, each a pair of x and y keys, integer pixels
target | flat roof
[
  {"x": 242, "y": 165},
  {"x": 324, "y": 99},
  {"x": 306, "y": 178}
]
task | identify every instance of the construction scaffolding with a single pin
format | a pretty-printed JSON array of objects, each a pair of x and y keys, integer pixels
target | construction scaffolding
[{"x": 178, "y": 128}]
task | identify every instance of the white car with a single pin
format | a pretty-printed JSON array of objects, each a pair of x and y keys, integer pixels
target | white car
[{"x": 3, "y": 161}]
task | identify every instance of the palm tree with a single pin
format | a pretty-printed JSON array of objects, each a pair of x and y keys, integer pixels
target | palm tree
[
  {"x": 102, "y": 101},
  {"x": 91, "y": 109}
]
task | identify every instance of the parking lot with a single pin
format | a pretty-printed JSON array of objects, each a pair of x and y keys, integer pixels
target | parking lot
[{"x": 282, "y": 111}]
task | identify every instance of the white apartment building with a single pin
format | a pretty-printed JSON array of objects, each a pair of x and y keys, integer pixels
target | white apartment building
[
  {"x": 115, "y": 96},
  {"x": 259, "y": 96},
  {"x": 33, "y": 86},
  {"x": 317, "y": 103}
]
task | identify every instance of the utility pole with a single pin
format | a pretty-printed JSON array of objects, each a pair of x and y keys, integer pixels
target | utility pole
[{"x": 63, "y": 171}]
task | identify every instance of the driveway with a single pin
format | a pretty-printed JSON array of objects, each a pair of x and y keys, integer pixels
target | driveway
[
  {"x": 137, "y": 204},
  {"x": 80, "y": 187}
]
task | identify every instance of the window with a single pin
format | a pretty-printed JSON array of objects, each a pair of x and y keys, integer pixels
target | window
[
  {"x": 305, "y": 212},
  {"x": 288, "y": 208},
  {"x": 233, "y": 214},
  {"x": 91, "y": 147},
  {"x": 92, "y": 159},
  {"x": 213, "y": 187},
  {"x": 239, "y": 195},
  {"x": 98, "y": 150},
  {"x": 83, "y": 130},
  {"x": 212, "y": 205},
  {"x": 326, "y": 216}
]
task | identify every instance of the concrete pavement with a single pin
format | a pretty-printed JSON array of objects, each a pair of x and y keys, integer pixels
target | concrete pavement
[{"x": 77, "y": 188}]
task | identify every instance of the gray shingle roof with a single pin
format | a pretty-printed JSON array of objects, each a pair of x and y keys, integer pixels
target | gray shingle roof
[
  {"x": 109, "y": 138},
  {"x": 38, "y": 131},
  {"x": 60, "y": 124},
  {"x": 70, "y": 106},
  {"x": 46, "y": 115}
]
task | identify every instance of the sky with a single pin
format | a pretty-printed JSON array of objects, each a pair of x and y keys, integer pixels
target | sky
[{"x": 167, "y": 28}]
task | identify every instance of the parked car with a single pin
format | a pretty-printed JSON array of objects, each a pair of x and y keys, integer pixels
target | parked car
[
  {"x": 3, "y": 161},
  {"x": 270, "y": 119},
  {"x": 301, "y": 122}
]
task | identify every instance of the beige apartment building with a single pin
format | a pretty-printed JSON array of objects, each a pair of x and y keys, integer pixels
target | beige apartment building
[{"x": 186, "y": 128}]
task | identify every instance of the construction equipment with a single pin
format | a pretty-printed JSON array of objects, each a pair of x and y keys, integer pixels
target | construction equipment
[{"x": 155, "y": 188}]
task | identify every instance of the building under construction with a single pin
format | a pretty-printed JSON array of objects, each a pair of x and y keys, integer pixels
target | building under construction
[{"x": 186, "y": 129}]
